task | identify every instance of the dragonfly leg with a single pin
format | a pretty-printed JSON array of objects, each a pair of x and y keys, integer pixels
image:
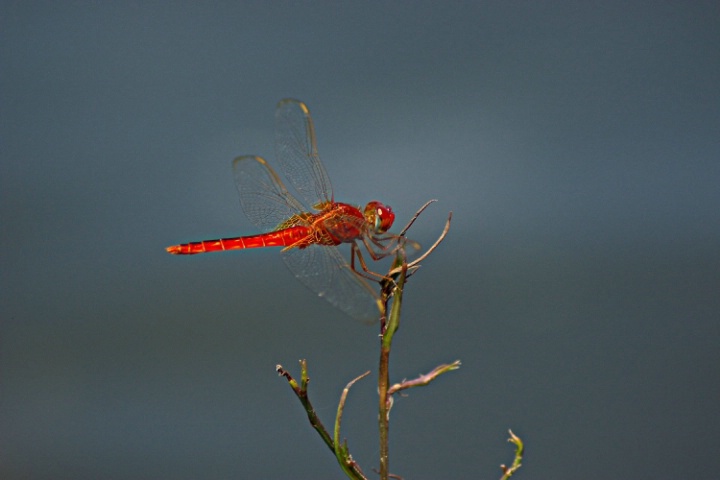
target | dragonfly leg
[
  {"x": 379, "y": 248},
  {"x": 366, "y": 272},
  {"x": 384, "y": 280}
]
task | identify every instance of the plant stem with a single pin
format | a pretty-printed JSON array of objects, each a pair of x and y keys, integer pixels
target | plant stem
[
  {"x": 383, "y": 382},
  {"x": 383, "y": 372}
]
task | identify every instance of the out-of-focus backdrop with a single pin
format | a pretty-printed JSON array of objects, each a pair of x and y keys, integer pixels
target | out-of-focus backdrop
[{"x": 577, "y": 145}]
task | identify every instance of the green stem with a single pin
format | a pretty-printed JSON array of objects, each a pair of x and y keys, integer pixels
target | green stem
[
  {"x": 383, "y": 372},
  {"x": 384, "y": 411},
  {"x": 301, "y": 392}
]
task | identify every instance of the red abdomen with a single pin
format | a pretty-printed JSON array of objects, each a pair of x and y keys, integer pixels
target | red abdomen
[{"x": 294, "y": 236}]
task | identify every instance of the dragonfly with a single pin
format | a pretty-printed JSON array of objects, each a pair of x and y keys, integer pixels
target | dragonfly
[{"x": 309, "y": 228}]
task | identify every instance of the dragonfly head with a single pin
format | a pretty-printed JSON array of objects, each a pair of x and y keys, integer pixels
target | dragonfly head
[{"x": 379, "y": 216}]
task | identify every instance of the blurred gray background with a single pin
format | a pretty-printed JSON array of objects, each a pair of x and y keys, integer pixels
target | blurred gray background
[{"x": 578, "y": 146}]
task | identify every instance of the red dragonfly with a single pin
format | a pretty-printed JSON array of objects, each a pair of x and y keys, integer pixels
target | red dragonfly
[{"x": 311, "y": 231}]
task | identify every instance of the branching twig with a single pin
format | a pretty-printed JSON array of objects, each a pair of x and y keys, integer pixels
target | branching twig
[
  {"x": 301, "y": 393},
  {"x": 415, "y": 264},
  {"x": 349, "y": 466}
]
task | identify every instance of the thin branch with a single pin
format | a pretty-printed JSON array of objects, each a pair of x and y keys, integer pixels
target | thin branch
[
  {"x": 349, "y": 466},
  {"x": 415, "y": 217},
  {"x": 423, "y": 380}
]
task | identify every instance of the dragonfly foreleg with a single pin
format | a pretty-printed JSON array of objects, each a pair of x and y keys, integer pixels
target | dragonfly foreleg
[
  {"x": 365, "y": 272},
  {"x": 379, "y": 248}
]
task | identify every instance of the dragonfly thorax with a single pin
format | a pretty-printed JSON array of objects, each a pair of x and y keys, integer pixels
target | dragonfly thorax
[{"x": 379, "y": 216}]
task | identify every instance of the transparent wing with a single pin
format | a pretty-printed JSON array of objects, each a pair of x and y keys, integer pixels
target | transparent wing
[
  {"x": 324, "y": 271},
  {"x": 297, "y": 154},
  {"x": 263, "y": 197},
  {"x": 322, "y": 268}
]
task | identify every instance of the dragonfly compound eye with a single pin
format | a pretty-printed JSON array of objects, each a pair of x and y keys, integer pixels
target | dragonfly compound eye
[{"x": 380, "y": 216}]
